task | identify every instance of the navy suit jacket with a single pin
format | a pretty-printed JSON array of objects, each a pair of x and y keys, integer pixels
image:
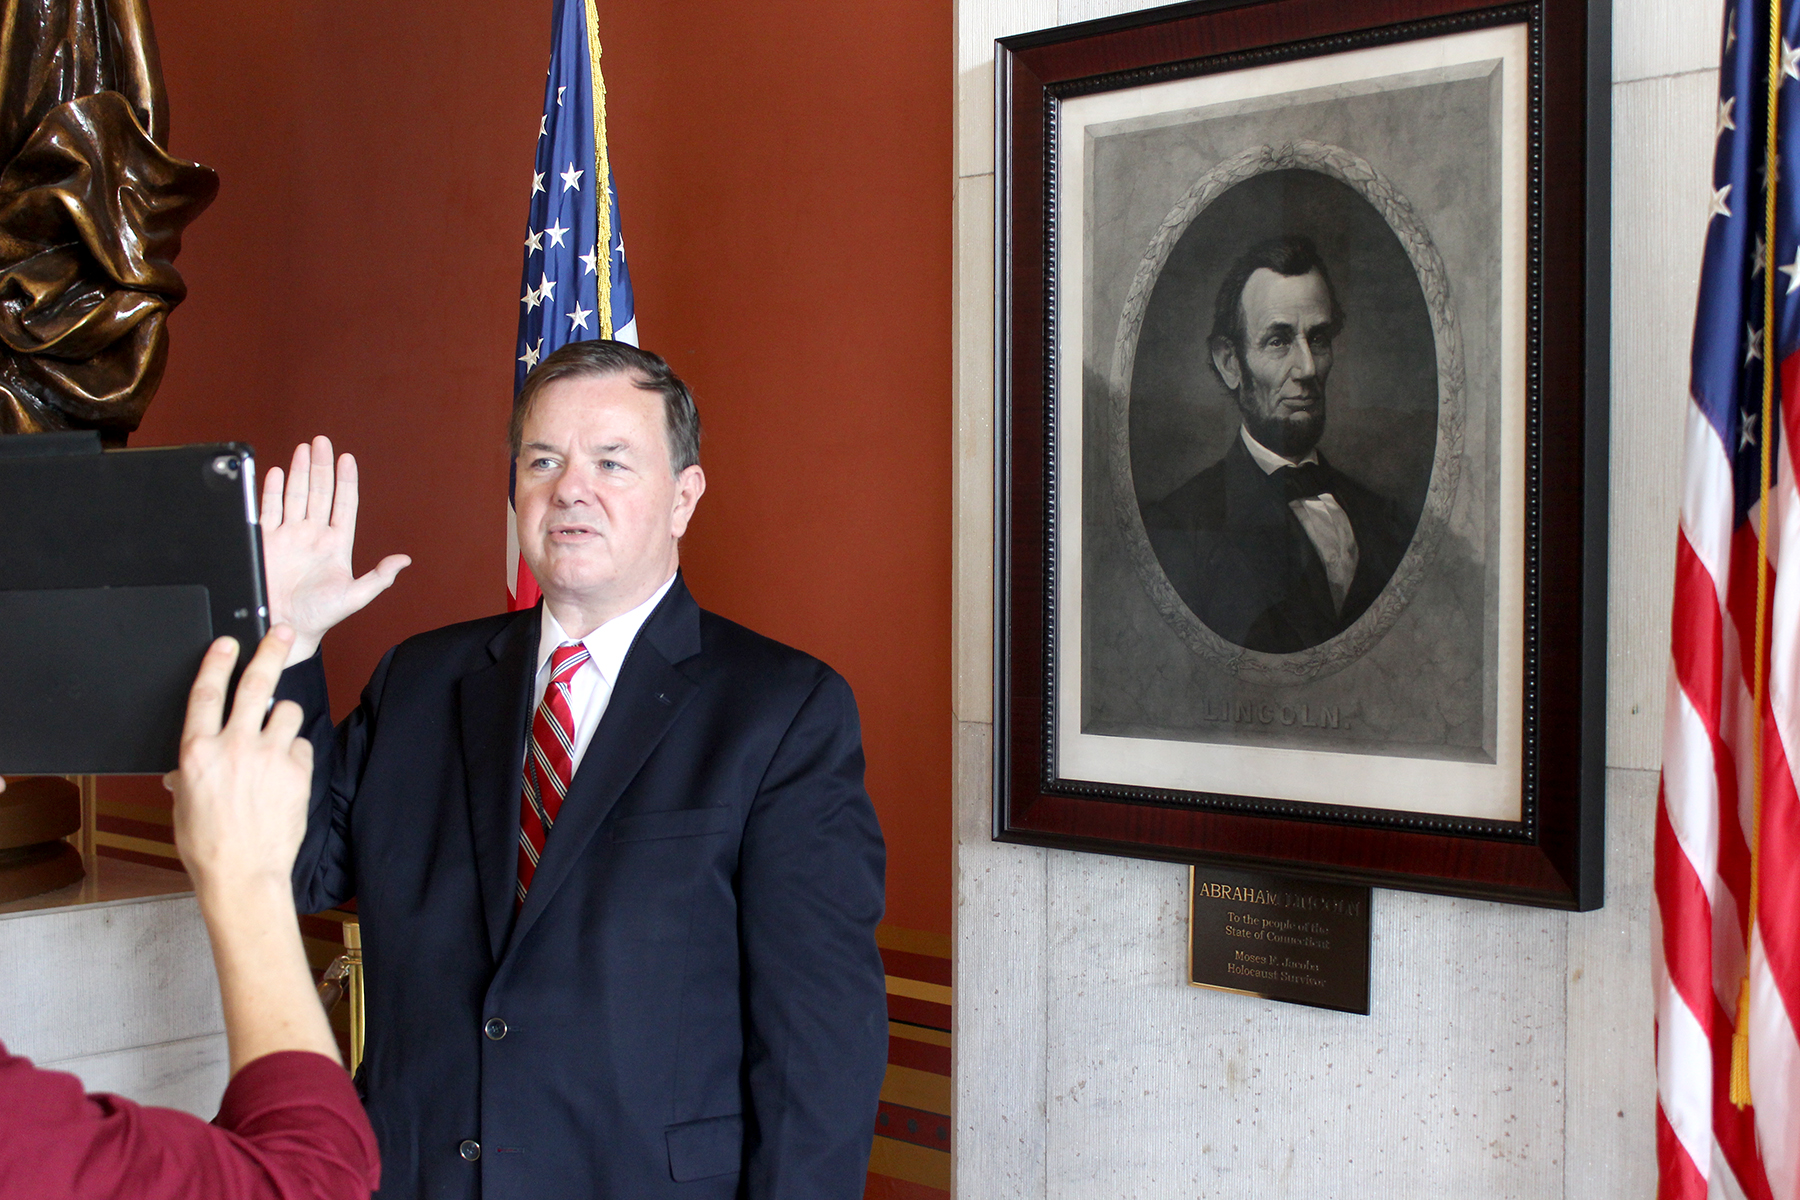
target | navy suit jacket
[
  {"x": 1240, "y": 559},
  {"x": 690, "y": 1002}
]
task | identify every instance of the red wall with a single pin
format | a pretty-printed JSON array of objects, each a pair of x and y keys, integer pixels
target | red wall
[{"x": 784, "y": 171}]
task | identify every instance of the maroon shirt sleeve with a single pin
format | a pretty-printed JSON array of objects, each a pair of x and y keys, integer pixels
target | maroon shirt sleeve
[{"x": 289, "y": 1128}]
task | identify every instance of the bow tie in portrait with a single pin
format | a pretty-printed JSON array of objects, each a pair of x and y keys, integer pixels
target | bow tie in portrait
[{"x": 1302, "y": 482}]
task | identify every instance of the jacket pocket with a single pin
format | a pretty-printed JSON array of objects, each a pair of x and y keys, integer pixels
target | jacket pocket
[
  {"x": 702, "y": 1149},
  {"x": 680, "y": 822}
]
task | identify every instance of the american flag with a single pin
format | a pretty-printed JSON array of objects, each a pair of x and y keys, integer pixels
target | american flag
[
  {"x": 1727, "y": 961},
  {"x": 575, "y": 284}
]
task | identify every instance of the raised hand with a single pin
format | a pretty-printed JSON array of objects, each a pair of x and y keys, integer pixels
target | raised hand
[
  {"x": 308, "y": 531},
  {"x": 242, "y": 787},
  {"x": 241, "y": 796}
]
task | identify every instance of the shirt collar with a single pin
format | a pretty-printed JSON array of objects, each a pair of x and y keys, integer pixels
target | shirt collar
[
  {"x": 1267, "y": 459},
  {"x": 607, "y": 645}
]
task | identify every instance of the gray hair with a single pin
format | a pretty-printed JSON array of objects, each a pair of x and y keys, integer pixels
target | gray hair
[{"x": 601, "y": 358}]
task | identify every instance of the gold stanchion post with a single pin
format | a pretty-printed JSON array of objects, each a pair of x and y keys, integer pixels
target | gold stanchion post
[{"x": 353, "y": 955}]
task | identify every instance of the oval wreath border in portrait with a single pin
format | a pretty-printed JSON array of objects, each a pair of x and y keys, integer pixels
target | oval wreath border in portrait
[{"x": 1329, "y": 657}]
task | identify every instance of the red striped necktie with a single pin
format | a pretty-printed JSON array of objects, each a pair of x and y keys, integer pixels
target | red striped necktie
[{"x": 549, "y": 761}]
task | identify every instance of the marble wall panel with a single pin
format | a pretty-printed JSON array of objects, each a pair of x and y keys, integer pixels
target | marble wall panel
[
  {"x": 126, "y": 974},
  {"x": 978, "y": 23},
  {"x": 189, "y": 1074},
  {"x": 1000, "y": 989},
  {"x": 1072, "y": 11},
  {"x": 1610, "y": 1127},
  {"x": 1509, "y": 1052},
  {"x": 1650, "y": 37},
  {"x": 1665, "y": 37},
  {"x": 1452, "y": 1086},
  {"x": 972, "y": 573},
  {"x": 1662, "y": 170}
]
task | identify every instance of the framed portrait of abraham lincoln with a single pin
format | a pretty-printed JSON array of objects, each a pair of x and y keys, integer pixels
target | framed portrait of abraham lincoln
[{"x": 1301, "y": 440}]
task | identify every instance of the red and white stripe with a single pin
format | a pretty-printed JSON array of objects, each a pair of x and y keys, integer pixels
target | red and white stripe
[
  {"x": 549, "y": 761},
  {"x": 1707, "y": 1146}
]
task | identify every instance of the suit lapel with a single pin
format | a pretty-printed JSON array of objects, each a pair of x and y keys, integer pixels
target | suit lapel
[
  {"x": 493, "y": 701},
  {"x": 648, "y": 697},
  {"x": 1271, "y": 538}
]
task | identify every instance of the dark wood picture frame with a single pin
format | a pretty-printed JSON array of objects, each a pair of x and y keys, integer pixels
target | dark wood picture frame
[{"x": 1552, "y": 856}]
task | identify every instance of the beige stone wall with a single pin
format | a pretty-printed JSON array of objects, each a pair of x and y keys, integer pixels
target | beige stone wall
[
  {"x": 1509, "y": 1053},
  {"x": 121, "y": 994}
]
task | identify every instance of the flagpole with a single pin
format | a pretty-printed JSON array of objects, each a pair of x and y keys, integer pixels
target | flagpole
[
  {"x": 602, "y": 176},
  {"x": 1740, "y": 1038}
]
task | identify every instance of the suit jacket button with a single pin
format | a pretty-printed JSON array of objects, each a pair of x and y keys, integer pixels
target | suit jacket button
[
  {"x": 495, "y": 1029},
  {"x": 470, "y": 1150}
]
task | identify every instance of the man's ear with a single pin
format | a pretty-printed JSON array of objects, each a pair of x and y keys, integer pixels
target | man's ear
[
  {"x": 1225, "y": 362},
  {"x": 689, "y": 486}
]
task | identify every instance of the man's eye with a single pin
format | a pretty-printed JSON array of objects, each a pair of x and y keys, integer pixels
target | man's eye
[
  {"x": 542, "y": 464},
  {"x": 608, "y": 464}
]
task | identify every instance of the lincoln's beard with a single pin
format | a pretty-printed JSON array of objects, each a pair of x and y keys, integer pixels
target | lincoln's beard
[{"x": 1291, "y": 435}]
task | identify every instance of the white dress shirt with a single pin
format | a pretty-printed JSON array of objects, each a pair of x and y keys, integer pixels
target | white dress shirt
[
  {"x": 1326, "y": 523},
  {"x": 590, "y": 688}
]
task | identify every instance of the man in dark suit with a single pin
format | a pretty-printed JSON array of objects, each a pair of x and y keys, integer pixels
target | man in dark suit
[
  {"x": 617, "y": 874},
  {"x": 1272, "y": 547}
]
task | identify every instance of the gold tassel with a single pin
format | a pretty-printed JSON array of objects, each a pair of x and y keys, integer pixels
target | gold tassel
[{"x": 1740, "y": 1049}]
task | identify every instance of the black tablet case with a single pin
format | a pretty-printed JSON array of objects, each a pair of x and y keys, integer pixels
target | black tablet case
[{"x": 117, "y": 569}]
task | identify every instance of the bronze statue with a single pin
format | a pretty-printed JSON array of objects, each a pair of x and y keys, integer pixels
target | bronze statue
[{"x": 91, "y": 213}]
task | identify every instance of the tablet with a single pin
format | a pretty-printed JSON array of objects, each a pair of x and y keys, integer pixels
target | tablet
[{"x": 117, "y": 569}]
